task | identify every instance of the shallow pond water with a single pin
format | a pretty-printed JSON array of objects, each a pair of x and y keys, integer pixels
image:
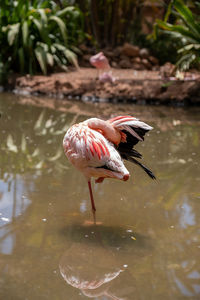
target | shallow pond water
[{"x": 147, "y": 241}]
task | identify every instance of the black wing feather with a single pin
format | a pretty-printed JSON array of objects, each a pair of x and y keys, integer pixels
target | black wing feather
[
  {"x": 127, "y": 152},
  {"x": 131, "y": 140},
  {"x": 147, "y": 170}
]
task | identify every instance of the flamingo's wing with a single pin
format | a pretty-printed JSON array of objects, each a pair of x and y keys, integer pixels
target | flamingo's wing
[
  {"x": 133, "y": 131},
  {"x": 97, "y": 148},
  {"x": 103, "y": 157},
  {"x": 132, "y": 127}
]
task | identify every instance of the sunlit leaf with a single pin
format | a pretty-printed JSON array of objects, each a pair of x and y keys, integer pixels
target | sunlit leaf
[
  {"x": 39, "y": 165},
  {"x": 71, "y": 56},
  {"x": 48, "y": 123},
  {"x": 65, "y": 128},
  {"x": 23, "y": 144},
  {"x": 57, "y": 132},
  {"x": 59, "y": 47},
  {"x": 39, "y": 121},
  {"x": 25, "y": 32},
  {"x": 12, "y": 33},
  {"x": 36, "y": 152},
  {"x": 60, "y": 166},
  {"x": 177, "y": 29},
  {"x": 43, "y": 15},
  {"x": 61, "y": 25},
  {"x": 43, "y": 131},
  {"x": 10, "y": 144},
  {"x": 50, "y": 59},
  {"x": 57, "y": 155},
  {"x": 41, "y": 57},
  {"x": 38, "y": 24},
  {"x": 62, "y": 12},
  {"x": 187, "y": 15}
]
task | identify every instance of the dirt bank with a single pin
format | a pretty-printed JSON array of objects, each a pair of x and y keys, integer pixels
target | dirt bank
[{"x": 143, "y": 87}]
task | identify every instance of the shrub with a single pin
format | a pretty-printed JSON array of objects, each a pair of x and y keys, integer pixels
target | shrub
[
  {"x": 38, "y": 35},
  {"x": 186, "y": 31}
]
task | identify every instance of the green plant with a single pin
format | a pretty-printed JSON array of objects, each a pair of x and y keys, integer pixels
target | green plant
[
  {"x": 38, "y": 35},
  {"x": 186, "y": 30}
]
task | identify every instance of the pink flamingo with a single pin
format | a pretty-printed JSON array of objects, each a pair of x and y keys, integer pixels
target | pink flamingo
[
  {"x": 99, "y": 61},
  {"x": 96, "y": 148}
]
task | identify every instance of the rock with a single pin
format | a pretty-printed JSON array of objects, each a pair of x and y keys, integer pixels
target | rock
[
  {"x": 136, "y": 60},
  {"x": 108, "y": 53},
  {"x": 146, "y": 63},
  {"x": 156, "y": 68},
  {"x": 136, "y": 66},
  {"x": 151, "y": 90},
  {"x": 144, "y": 53},
  {"x": 117, "y": 51},
  {"x": 153, "y": 60},
  {"x": 130, "y": 50},
  {"x": 114, "y": 64},
  {"x": 124, "y": 57},
  {"x": 167, "y": 70},
  {"x": 194, "y": 91},
  {"x": 125, "y": 64},
  {"x": 189, "y": 92},
  {"x": 84, "y": 98},
  {"x": 103, "y": 100}
]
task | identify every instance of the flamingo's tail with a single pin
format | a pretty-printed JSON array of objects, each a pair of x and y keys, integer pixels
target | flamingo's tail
[{"x": 135, "y": 161}]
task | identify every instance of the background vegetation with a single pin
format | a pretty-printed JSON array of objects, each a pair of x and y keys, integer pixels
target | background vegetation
[
  {"x": 185, "y": 29},
  {"x": 44, "y": 36},
  {"x": 38, "y": 36}
]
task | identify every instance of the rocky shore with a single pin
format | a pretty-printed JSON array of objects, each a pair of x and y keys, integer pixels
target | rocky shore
[{"x": 131, "y": 86}]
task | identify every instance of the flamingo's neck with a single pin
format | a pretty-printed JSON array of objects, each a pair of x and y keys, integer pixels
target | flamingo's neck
[{"x": 105, "y": 128}]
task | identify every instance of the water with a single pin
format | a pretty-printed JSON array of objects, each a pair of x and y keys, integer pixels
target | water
[{"x": 147, "y": 241}]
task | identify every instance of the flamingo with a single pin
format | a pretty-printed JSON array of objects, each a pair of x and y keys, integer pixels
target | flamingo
[
  {"x": 97, "y": 148},
  {"x": 100, "y": 62}
]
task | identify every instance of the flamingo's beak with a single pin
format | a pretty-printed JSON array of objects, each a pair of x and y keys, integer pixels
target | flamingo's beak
[{"x": 126, "y": 177}]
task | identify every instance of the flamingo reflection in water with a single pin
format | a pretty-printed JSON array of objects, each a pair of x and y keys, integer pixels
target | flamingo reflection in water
[
  {"x": 97, "y": 148},
  {"x": 93, "y": 270}
]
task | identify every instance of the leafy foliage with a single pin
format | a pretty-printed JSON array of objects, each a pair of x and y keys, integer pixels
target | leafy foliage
[
  {"x": 186, "y": 30},
  {"x": 37, "y": 35}
]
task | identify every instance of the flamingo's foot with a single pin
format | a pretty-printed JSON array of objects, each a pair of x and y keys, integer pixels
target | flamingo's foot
[
  {"x": 99, "y": 180},
  {"x": 89, "y": 223}
]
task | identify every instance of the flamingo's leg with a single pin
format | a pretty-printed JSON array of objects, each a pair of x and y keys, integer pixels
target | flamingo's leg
[
  {"x": 99, "y": 180},
  {"x": 98, "y": 73},
  {"x": 92, "y": 200}
]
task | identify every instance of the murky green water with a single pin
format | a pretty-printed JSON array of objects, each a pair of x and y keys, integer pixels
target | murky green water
[{"x": 147, "y": 245}]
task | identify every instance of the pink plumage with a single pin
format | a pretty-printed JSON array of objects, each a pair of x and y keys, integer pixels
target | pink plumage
[
  {"x": 97, "y": 148},
  {"x": 100, "y": 61}
]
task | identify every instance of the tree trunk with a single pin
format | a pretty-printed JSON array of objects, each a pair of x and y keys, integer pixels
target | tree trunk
[
  {"x": 95, "y": 21},
  {"x": 114, "y": 21}
]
